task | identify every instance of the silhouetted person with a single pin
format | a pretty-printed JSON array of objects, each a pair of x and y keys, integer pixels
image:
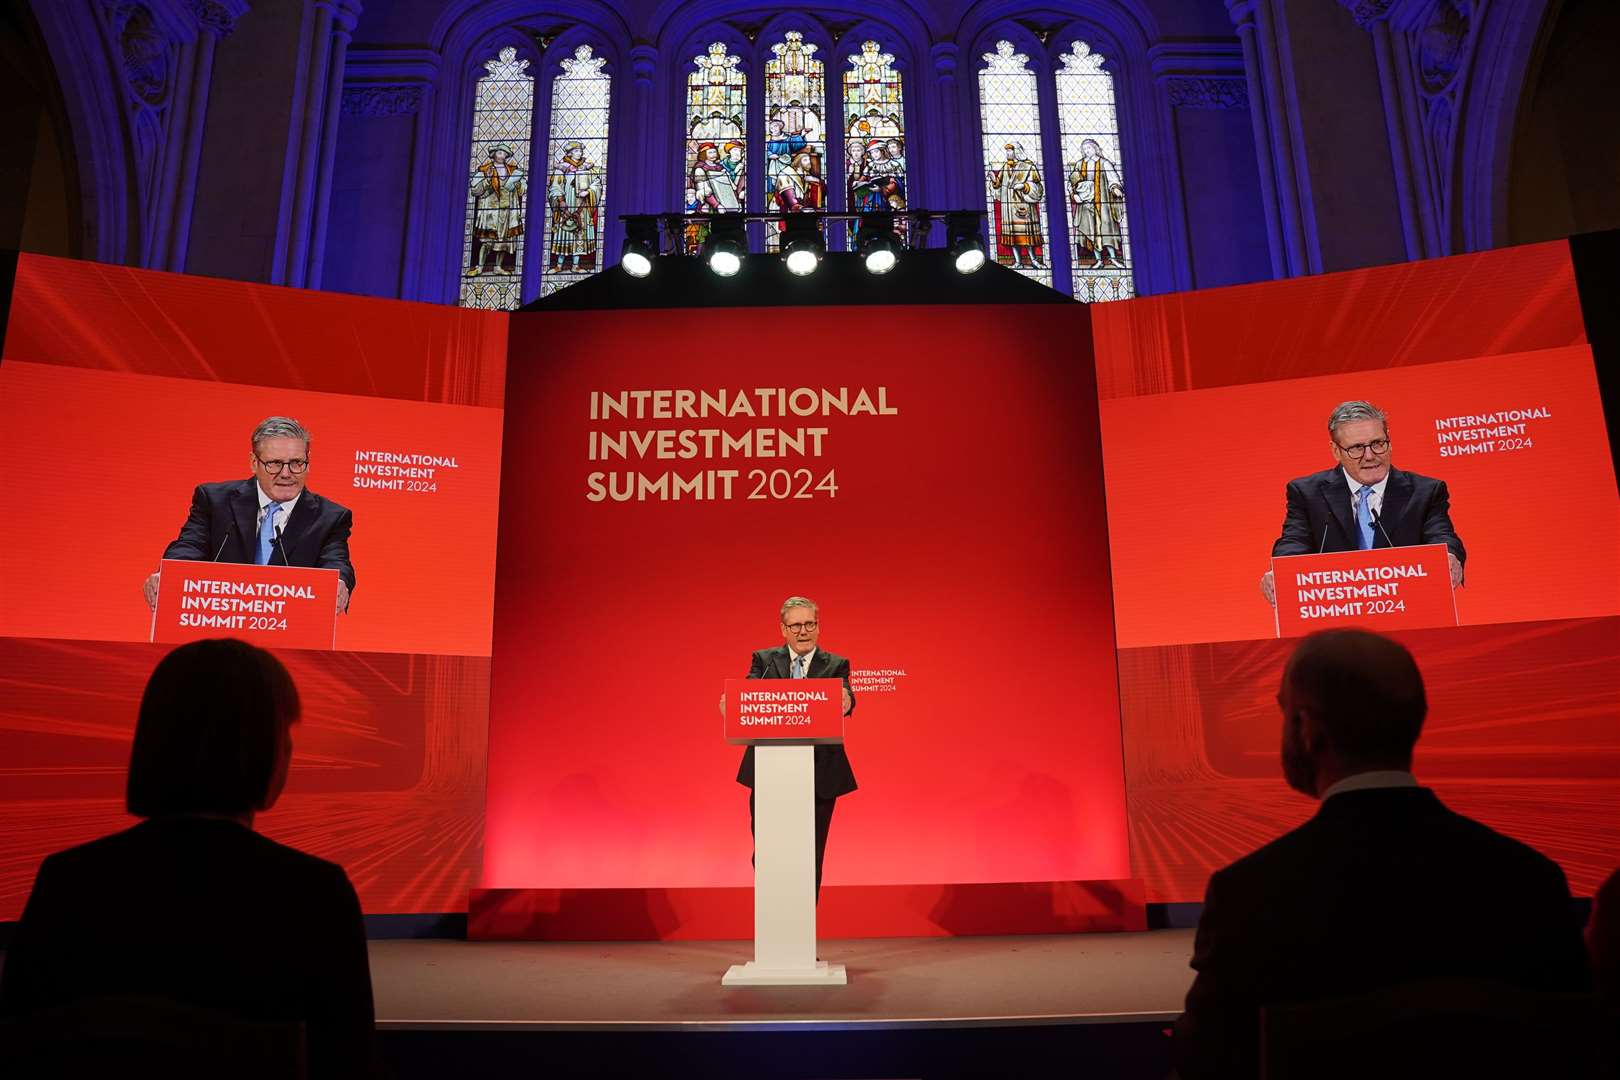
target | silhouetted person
[
  {"x": 1383, "y": 886},
  {"x": 191, "y": 904},
  {"x": 1603, "y": 942}
]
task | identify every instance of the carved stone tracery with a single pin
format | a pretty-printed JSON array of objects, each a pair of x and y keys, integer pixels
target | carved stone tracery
[{"x": 1207, "y": 93}]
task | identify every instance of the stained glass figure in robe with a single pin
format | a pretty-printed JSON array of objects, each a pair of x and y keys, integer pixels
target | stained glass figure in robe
[
  {"x": 716, "y": 148},
  {"x": 1095, "y": 184},
  {"x": 576, "y": 185},
  {"x": 795, "y": 131},
  {"x": 874, "y": 130},
  {"x": 497, "y": 185}
]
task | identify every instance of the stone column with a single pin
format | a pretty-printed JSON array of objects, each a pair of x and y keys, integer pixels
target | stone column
[
  {"x": 215, "y": 20},
  {"x": 951, "y": 132},
  {"x": 311, "y": 140},
  {"x": 649, "y": 197},
  {"x": 1279, "y": 179}
]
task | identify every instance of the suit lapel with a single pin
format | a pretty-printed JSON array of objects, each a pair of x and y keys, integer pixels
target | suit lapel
[
  {"x": 1337, "y": 490},
  {"x": 303, "y": 515},
  {"x": 245, "y": 519},
  {"x": 818, "y": 665},
  {"x": 1397, "y": 493},
  {"x": 780, "y": 664}
]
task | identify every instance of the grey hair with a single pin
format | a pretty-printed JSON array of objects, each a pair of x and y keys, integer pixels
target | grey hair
[
  {"x": 280, "y": 427},
  {"x": 799, "y": 601},
  {"x": 1349, "y": 412}
]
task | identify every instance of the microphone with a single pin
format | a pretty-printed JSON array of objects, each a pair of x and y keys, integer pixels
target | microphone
[
  {"x": 282, "y": 546},
  {"x": 222, "y": 543},
  {"x": 1323, "y": 545},
  {"x": 1378, "y": 520}
]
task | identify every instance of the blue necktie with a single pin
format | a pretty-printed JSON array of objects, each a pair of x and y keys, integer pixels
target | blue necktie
[
  {"x": 798, "y": 667},
  {"x": 1364, "y": 517},
  {"x": 267, "y": 533}
]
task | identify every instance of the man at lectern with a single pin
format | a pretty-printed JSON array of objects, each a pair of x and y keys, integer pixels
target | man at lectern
[
  {"x": 800, "y": 658},
  {"x": 270, "y": 518},
  {"x": 1364, "y": 501}
]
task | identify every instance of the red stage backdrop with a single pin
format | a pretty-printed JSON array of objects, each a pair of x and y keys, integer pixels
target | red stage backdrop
[
  {"x": 1213, "y": 401},
  {"x": 123, "y": 389},
  {"x": 946, "y": 515}
]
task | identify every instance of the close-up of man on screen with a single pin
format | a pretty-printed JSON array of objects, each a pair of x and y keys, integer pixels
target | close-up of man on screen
[
  {"x": 271, "y": 518},
  {"x": 1364, "y": 501}
]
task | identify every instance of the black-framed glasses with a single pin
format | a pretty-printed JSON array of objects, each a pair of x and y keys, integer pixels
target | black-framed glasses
[
  {"x": 800, "y": 627},
  {"x": 296, "y": 466},
  {"x": 1355, "y": 450}
]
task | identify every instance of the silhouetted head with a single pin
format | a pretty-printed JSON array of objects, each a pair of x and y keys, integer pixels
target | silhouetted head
[
  {"x": 213, "y": 733},
  {"x": 1352, "y": 702}
]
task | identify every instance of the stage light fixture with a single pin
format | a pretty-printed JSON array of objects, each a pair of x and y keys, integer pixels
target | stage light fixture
[
  {"x": 879, "y": 246},
  {"x": 723, "y": 250},
  {"x": 640, "y": 244},
  {"x": 963, "y": 241},
  {"x": 802, "y": 244}
]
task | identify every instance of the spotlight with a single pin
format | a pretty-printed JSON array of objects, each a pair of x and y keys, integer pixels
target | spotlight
[
  {"x": 803, "y": 244},
  {"x": 640, "y": 244},
  {"x": 724, "y": 248},
  {"x": 879, "y": 247},
  {"x": 962, "y": 238}
]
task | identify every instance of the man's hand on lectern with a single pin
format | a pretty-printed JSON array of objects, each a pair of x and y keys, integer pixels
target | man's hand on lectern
[
  {"x": 150, "y": 587},
  {"x": 849, "y": 703},
  {"x": 342, "y": 598},
  {"x": 1268, "y": 588},
  {"x": 722, "y": 706},
  {"x": 1456, "y": 570}
]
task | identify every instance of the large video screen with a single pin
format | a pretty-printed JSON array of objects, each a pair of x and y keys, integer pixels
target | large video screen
[
  {"x": 127, "y": 396},
  {"x": 1214, "y": 411}
]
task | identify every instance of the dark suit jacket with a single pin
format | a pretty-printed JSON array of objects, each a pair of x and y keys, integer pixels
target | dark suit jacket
[
  {"x": 1381, "y": 887},
  {"x": 222, "y": 527},
  {"x": 1417, "y": 510},
  {"x": 834, "y": 777},
  {"x": 207, "y": 912}
]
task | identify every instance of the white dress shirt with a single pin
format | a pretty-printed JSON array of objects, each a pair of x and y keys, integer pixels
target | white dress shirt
[
  {"x": 1367, "y": 781},
  {"x": 793, "y": 656}
]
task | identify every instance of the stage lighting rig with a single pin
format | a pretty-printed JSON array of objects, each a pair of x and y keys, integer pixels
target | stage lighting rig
[
  {"x": 803, "y": 247},
  {"x": 964, "y": 242},
  {"x": 726, "y": 243},
  {"x": 879, "y": 246},
  {"x": 640, "y": 244}
]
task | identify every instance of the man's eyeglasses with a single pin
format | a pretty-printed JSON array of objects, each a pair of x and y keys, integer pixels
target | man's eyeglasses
[
  {"x": 1377, "y": 446},
  {"x": 296, "y": 466},
  {"x": 799, "y": 627}
]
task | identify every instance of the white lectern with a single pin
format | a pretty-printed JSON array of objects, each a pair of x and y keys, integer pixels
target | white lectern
[{"x": 784, "y": 720}]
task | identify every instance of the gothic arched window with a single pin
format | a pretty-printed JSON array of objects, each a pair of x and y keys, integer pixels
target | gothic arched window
[
  {"x": 1094, "y": 182},
  {"x": 1015, "y": 179},
  {"x": 498, "y": 185},
  {"x": 795, "y": 131},
  {"x": 576, "y": 183},
  {"x": 716, "y": 153},
  {"x": 875, "y": 135}
]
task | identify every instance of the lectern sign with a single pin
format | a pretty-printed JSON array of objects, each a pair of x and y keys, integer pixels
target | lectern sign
[
  {"x": 1396, "y": 588},
  {"x": 288, "y": 607},
  {"x": 784, "y": 710}
]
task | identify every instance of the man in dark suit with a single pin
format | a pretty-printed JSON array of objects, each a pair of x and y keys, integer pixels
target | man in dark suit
[
  {"x": 269, "y": 519},
  {"x": 800, "y": 658},
  {"x": 1364, "y": 501},
  {"x": 1383, "y": 886}
]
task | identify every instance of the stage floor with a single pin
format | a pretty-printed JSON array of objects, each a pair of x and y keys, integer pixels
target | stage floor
[{"x": 894, "y": 983}]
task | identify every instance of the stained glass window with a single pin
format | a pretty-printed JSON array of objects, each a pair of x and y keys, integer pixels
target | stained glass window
[
  {"x": 1094, "y": 182},
  {"x": 875, "y": 135},
  {"x": 576, "y": 184},
  {"x": 1015, "y": 185},
  {"x": 716, "y": 138},
  {"x": 795, "y": 131},
  {"x": 498, "y": 185}
]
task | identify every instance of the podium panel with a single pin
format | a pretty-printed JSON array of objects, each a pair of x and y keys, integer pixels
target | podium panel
[
  {"x": 783, "y": 720},
  {"x": 283, "y": 607},
  {"x": 1399, "y": 588}
]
